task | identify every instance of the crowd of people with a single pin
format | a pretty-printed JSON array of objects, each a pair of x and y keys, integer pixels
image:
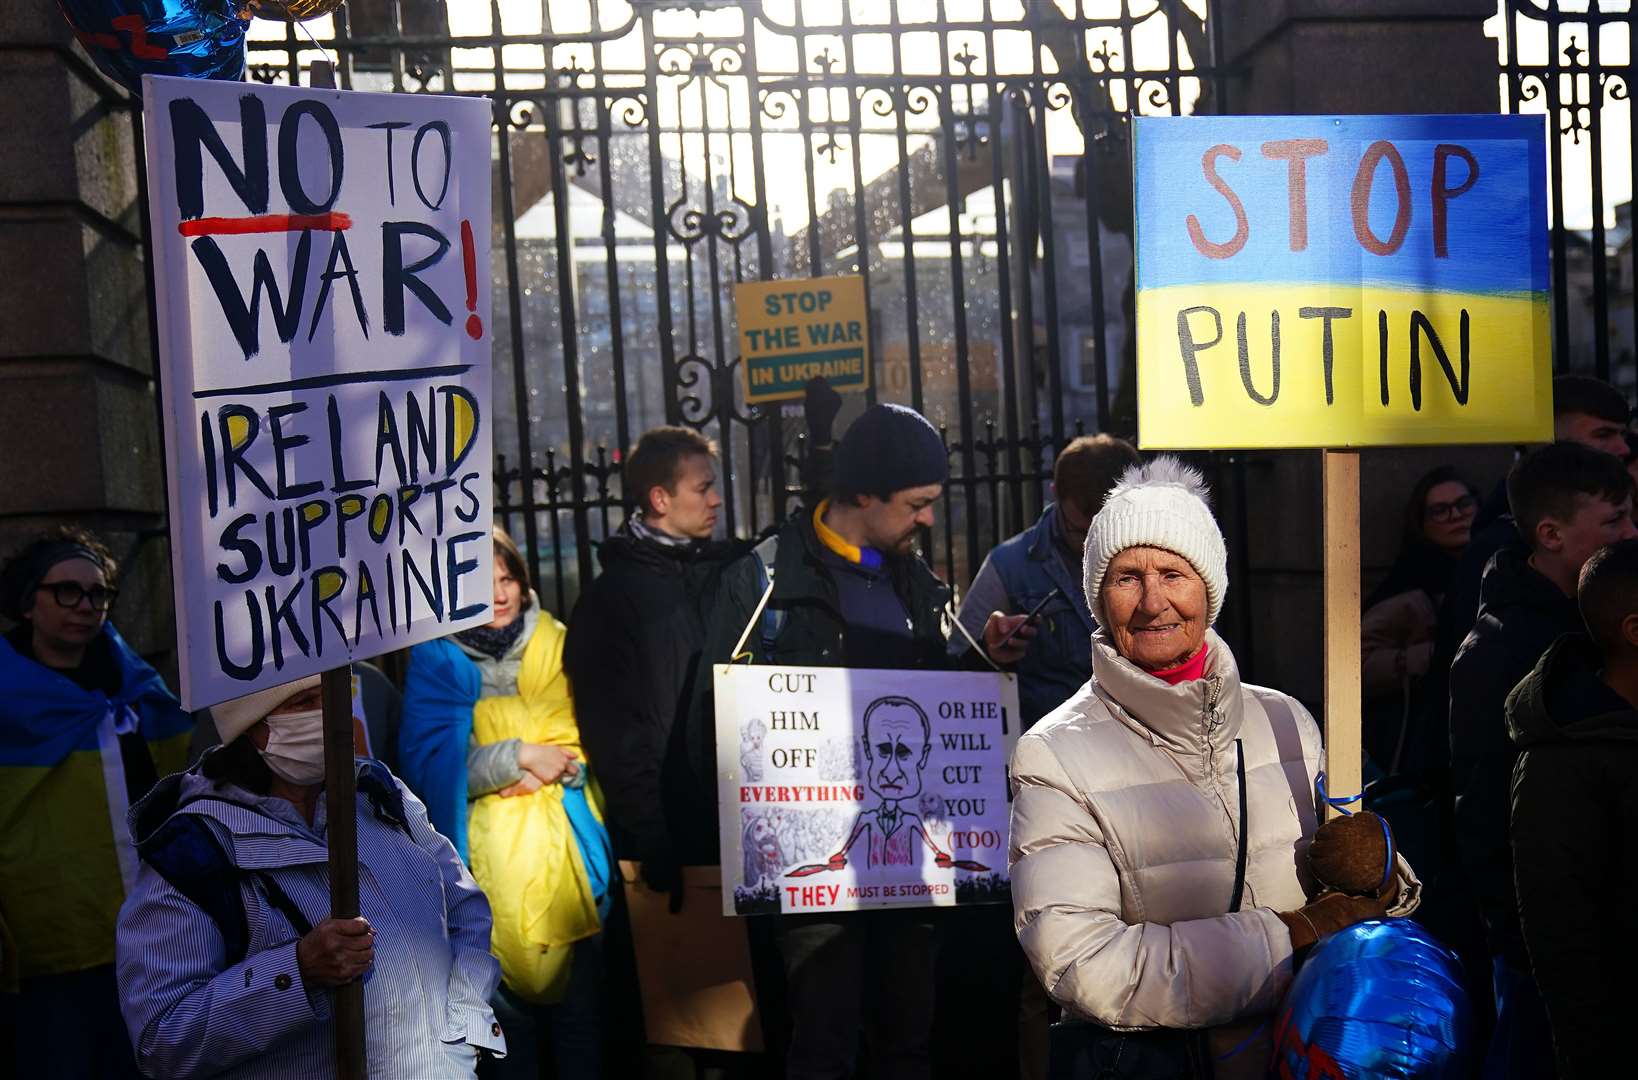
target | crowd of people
[{"x": 164, "y": 889}]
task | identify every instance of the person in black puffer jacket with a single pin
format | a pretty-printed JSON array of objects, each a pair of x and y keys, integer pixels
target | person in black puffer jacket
[
  {"x": 1569, "y": 501},
  {"x": 633, "y": 647},
  {"x": 1574, "y": 721}
]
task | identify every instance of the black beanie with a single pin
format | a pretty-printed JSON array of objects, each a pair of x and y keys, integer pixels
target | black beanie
[{"x": 889, "y": 448}]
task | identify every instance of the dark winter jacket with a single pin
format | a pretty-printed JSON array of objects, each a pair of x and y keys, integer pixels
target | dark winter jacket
[
  {"x": 801, "y": 625},
  {"x": 632, "y": 651},
  {"x": 1575, "y": 846},
  {"x": 1521, "y": 613},
  {"x": 1493, "y": 530},
  {"x": 1017, "y": 575}
]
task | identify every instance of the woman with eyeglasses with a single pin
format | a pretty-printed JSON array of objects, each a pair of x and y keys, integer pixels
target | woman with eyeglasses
[
  {"x": 1400, "y": 624},
  {"x": 86, "y": 728}
]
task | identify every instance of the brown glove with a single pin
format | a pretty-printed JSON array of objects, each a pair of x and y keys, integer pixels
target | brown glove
[
  {"x": 1349, "y": 854},
  {"x": 1335, "y": 911}
]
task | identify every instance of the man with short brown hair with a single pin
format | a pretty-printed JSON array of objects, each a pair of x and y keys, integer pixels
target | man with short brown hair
[
  {"x": 1052, "y": 657},
  {"x": 671, "y": 478},
  {"x": 634, "y": 639}
]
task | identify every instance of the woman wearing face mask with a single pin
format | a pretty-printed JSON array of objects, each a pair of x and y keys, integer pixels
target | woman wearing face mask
[
  {"x": 1168, "y": 868},
  {"x": 86, "y": 727},
  {"x": 488, "y": 738},
  {"x": 226, "y": 953}
]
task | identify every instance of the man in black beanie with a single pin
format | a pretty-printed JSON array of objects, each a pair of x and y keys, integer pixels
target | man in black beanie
[{"x": 845, "y": 589}]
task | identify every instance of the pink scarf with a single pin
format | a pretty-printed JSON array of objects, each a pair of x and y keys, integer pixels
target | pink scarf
[{"x": 1188, "y": 671}]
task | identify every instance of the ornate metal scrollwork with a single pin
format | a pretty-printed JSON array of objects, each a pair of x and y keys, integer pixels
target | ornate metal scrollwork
[{"x": 732, "y": 222}]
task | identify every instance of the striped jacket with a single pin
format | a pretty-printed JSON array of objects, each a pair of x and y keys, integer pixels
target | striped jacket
[{"x": 194, "y": 1010}]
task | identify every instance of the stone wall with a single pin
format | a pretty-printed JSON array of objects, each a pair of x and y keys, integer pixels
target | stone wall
[{"x": 79, "y": 431}]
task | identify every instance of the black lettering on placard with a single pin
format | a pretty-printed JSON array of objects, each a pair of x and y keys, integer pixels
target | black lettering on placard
[
  {"x": 396, "y": 276},
  {"x": 442, "y": 130},
  {"x": 193, "y": 132},
  {"x": 244, "y": 317},
  {"x": 1423, "y": 339},
  {"x": 292, "y": 151},
  {"x": 1327, "y": 346},
  {"x": 1191, "y": 348},
  {"x": 1245, "y": 360},
  {"x": 326, "y": 505}
]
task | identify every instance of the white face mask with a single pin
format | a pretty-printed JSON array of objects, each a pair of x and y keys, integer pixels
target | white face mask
[{"x": 295, "y": 747}]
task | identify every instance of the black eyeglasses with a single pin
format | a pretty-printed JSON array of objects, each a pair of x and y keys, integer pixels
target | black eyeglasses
[
  {"x": 68, "y": 594},
  {"x": 1450, "y": 511}
]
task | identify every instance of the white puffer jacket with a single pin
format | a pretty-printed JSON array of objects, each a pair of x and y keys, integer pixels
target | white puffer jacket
[{"x": 1125, "y": 824}]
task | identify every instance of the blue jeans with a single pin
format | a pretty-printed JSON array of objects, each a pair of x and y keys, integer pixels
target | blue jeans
[
  {"x": 1522, "y": 1046},
  {"x": 568, "y": 1034}
]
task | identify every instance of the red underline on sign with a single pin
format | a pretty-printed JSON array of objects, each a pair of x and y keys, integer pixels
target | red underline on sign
[{"x": 266, "y": 223}]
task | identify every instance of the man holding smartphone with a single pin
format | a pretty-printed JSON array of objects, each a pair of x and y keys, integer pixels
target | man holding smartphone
[{"x": 1026, "y": 606}]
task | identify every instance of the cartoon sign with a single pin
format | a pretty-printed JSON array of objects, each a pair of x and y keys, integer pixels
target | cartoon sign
[
  {"x": 321, "y": 261},
  {"x": 790, "y": 331},
  {"x": 862, "y": 789},
  {"x": 1312, "y": 281}
]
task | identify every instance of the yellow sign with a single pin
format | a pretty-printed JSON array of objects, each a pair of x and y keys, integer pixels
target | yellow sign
[
  {"x": 1313, "y": 281},
  {"x": 1243, "y": 366},
  {"x": 790, "y": 331}
]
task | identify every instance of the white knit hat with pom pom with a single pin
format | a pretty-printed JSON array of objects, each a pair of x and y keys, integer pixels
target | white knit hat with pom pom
[{"x": 1165, "y": 504}]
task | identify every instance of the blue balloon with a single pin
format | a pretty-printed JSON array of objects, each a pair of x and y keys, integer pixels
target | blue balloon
[
  {"x": 194, "y": 39},
  {"x": 1380, "y": 1000}
]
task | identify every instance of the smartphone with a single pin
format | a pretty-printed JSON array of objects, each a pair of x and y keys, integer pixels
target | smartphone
[{"x": 1034, "y": 612}]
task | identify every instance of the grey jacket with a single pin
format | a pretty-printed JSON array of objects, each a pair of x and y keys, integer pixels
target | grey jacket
[{"x": 492, "y": 766}]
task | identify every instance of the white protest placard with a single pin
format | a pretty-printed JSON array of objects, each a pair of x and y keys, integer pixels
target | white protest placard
[
  {"x": 321, "y": 263},
  {"x": 842, "y": 789}
]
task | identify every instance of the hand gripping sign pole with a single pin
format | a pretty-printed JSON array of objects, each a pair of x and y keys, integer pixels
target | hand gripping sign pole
[
  {"x": 341, "y": 839},
  {"x": 341, "y": 809}
]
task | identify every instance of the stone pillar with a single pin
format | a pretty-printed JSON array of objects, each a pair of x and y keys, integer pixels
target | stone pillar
[
  {"x": 79, "y": 431},
  {"x": 1340, "y": 57}
]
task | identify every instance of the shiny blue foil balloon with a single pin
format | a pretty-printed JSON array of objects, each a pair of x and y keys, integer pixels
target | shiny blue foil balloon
[
  {"x": 194, "y": 39},
  {"x": 1377, "y": 1001}
]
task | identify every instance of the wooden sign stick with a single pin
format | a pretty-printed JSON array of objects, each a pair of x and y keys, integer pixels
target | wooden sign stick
[
  {"x": 1342, "y": 673},
  {"x": 341, "y": 839},
  {"x": 341, "y": 809}
]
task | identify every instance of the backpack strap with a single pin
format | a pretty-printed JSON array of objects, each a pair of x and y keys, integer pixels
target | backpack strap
[
  {"x": 187, "y": 854},
  {"x": 1240, "y": 855},
  {"x": 772, "y": 619},
  {"x": 281, "y": 902},
  {"x": 386, "y": 798}
]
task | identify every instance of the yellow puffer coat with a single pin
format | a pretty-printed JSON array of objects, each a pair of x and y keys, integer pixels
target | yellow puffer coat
[{"x": 522, "y": 848}]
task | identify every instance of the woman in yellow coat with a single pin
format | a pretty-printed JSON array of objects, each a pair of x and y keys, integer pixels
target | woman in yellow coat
[{"x": 489, "y": 742}]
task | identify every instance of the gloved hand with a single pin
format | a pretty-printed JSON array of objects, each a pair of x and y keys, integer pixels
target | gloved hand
[
  {"x": 1349, "y": 854},
  {"x": 820, "y": 404},
  {"x": 1335, "y": 911},
  {"x": 662, "y": 873}
]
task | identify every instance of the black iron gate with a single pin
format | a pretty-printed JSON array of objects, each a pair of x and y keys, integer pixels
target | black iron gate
[
  {"x": 652, "y": 153},
  {"x": 1573, "y": 61}
]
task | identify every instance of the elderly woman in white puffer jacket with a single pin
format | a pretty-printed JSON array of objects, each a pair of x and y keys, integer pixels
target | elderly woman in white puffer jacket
[{"x": 1143, "y": 895}]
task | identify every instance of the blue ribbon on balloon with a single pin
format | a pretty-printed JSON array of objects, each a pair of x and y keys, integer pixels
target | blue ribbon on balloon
[
  {"x": 191, "y": 39},
  {"x": 1342, "y": 802}
]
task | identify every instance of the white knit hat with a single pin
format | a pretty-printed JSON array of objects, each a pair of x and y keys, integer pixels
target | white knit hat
[
  {"x": 1165, "y": 504},
  {"x": 234, "y": 718}
]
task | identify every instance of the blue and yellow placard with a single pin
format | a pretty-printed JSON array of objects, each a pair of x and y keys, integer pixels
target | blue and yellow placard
[
  {"x": 793, "y": 330},
  {"x": 1313, "y": 281}
]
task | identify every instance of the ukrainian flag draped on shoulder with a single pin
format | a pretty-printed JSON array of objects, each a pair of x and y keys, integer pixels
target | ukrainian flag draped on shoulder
[
  {"x": 543, "y": 859},
  {"x": 66, "y": 860}
]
